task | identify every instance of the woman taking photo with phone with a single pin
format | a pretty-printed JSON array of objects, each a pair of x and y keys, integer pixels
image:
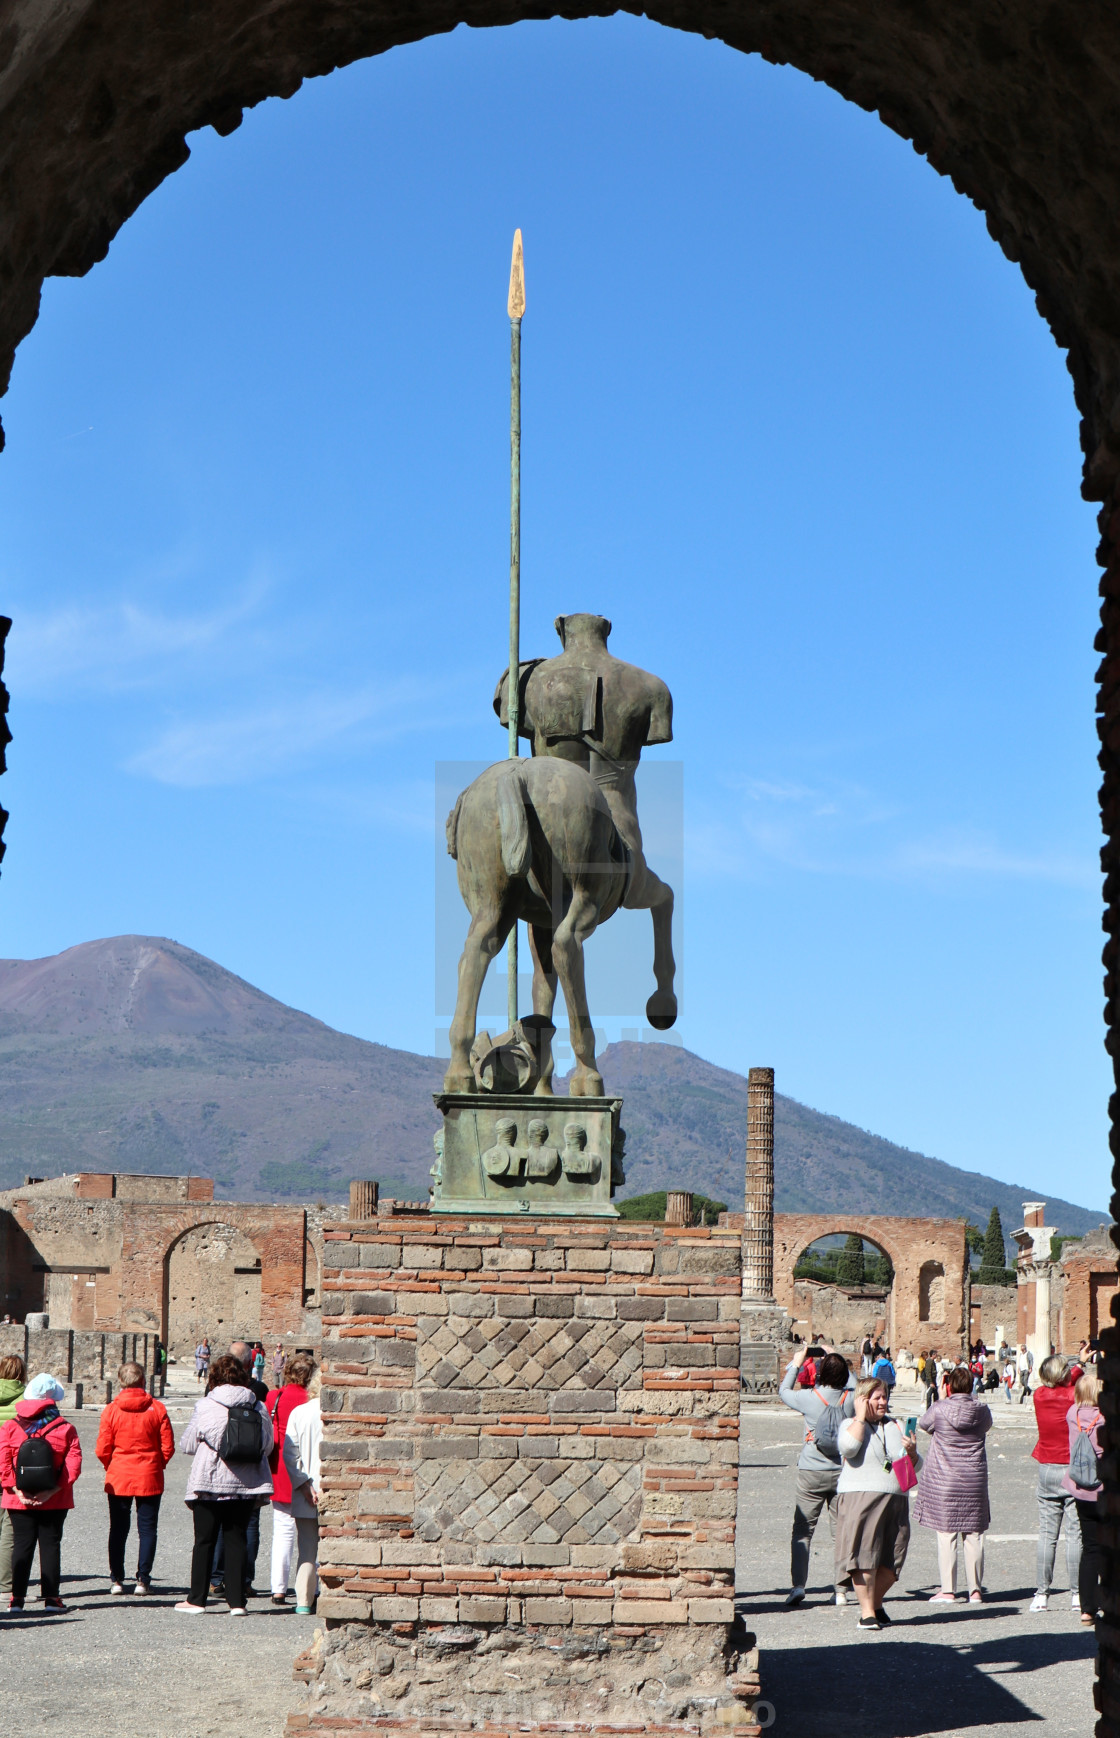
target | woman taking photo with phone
[{"x": 877, "y": 1470}]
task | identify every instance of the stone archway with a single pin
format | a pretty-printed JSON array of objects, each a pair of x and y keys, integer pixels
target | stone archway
[
  {"x": 1016, "y": 103},
  {"x": 930, "y": 1260},
  {"x": 211, "y": 1286}
]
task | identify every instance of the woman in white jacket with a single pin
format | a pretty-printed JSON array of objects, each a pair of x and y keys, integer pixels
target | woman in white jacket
[
  {"x": 301, "y": 1458},
  {"x": 872, "y": 1508}
]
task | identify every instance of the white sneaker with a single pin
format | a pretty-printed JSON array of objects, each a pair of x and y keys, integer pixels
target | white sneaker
[
  {"x": 191, "y": 1610},
  {"x": 116, "y": 1587},
  {"x": 1040, "y": 1602},
  {"x": 841, "y": 1596},
  {"x": 794, "y": 1596},
  {"x": 237, "y": 1611},
  {"x": 1074, "y": 1602}
]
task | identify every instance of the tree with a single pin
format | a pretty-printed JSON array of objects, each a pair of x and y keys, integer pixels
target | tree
[
  {"x": 993, "y": 1261},
  {"x": 849, "y": 1268}
]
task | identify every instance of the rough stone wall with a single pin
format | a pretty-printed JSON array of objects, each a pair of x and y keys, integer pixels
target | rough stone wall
[
  {"x": 840, "y": 1316},
  {"x": 936, "y": 1246},
  {"x": 531, "y": 1448},
  {"x": 993, "y": 1307},
  {"x": 92, "y": 1359}
]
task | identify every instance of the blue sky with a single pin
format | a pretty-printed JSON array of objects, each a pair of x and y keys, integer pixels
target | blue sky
[{"x": 791, "y": 421}]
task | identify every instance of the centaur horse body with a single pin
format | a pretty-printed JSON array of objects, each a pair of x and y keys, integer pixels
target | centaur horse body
[{"x": 535, "y": 840}]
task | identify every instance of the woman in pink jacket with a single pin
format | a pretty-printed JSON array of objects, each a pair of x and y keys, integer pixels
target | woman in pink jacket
[
  {"x": 1084, "y": 1419},
  {"x": 38, "y": 1515}
]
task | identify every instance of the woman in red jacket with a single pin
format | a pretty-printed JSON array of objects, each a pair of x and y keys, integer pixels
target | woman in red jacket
[
  {"x": 38, "y": 1516},
  {"x": 1052, "y": 1400},
  {"x": 134, "y": 1444}
]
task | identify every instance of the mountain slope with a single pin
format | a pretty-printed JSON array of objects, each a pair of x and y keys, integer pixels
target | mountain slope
[
  {"x": 136, "y": 1053},
  {"x": 686, "y": 1124}
]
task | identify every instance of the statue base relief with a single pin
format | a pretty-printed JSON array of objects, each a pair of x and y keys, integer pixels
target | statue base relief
[{"x": 516, "y": 1153}]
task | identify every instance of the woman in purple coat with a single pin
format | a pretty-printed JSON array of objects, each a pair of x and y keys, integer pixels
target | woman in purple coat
[{"x": 953, "y": 1494}]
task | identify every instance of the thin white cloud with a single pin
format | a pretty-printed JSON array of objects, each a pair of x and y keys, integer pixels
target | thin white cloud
[
  {"x": 972, "y": 856},
  {"x": 281, "y": 736},
  {"x": 80, "y": 649},
  {"x": 850, "y": 831}
]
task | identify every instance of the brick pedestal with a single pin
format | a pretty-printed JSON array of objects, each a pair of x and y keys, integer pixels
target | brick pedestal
[{"x": 530, "y": 1477}]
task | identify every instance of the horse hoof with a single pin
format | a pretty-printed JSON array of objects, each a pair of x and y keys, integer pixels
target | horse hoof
[
  {"x": 588, "y": 1085},
  {"x": 661, "y": 1010},
  {"x": 456, "y": 1082},
  {"x": 543, "y": 1089}
]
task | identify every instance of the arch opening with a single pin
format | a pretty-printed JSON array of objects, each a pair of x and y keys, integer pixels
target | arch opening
[
  {"x": 843, "y": 1284},
  {"x": 212, "y": 1288}
]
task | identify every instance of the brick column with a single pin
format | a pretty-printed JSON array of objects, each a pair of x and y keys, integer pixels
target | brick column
[{"x": 758, "y": 1223}]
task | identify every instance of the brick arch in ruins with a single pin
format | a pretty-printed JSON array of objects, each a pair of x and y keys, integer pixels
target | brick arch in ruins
[
  {"x": 211, "y": 1286},
  {"x": 1014, "y": 100},
  {"x": 928, "y": 1303}
]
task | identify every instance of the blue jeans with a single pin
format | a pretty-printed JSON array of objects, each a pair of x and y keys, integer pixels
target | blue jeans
[
  {"x": 1054, "y": 1503},
  {"x": 147, "y": 1524},
  {"x": 252, "y": 1546}
]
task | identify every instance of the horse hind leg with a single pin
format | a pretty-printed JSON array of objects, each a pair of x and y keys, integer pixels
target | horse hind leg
[
  {"x": 544, "y": 995},
  {"x": 578, "y": 924},
  {"x": 487, "y": 932}
]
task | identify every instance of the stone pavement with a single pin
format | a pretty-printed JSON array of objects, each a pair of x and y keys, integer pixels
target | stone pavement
[
  {"x": 986, "y": 1672},
  {"x": 125, "y": 1666},
  {"x": 133, "y": 1666}
]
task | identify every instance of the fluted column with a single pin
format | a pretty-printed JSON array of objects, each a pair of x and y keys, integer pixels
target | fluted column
[
  {"x": 678, "y": 1207},
  {"x": 363, "y": 1199},
  {"x": 758, "y": 1222}
]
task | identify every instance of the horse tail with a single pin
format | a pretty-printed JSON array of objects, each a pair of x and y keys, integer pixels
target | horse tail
[
  {"x": 452, "y": 827},
  {"x": 517, "y": 845}
]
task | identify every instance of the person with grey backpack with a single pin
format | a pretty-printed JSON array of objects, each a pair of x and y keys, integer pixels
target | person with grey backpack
[
  {"x": 1083, "y": 1481},
  {"x": 230, "y": 1438},
  {"x": 823, "y": 1407}
]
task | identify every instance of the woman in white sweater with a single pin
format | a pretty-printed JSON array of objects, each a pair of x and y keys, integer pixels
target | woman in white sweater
[
  {"x": 872, "y": 1508},
  {"x": 302, "y": 1441}
]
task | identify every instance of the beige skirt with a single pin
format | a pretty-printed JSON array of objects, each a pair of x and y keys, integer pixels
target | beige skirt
[{"x": 872, "y": 1531}]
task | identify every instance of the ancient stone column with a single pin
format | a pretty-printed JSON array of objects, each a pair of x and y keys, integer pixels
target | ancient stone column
[
  {"x": 678, "y": 1207},
  {"x": 758, "y": 1222},
  {"x": 363, "y": 1200}
]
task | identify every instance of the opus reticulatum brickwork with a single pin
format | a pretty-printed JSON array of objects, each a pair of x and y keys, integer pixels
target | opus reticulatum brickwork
[{"x": 530, "y": 1476}]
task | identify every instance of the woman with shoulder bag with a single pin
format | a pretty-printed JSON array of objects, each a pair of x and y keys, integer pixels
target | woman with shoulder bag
[
  {"x": 230, "y": 1437},
  {"x": 1083, "y": 1481},
  {"x": 877, "y": 1471}
]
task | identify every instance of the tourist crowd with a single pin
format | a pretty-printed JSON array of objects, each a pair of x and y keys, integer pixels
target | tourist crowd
[
  {"x": 861, "y": 1463},
  {"x": 249, "y": 1445}
]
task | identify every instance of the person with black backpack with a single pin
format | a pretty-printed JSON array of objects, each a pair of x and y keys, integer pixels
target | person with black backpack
[
  {"x": 40, "y": 1462},
  {"x": 230, "y": 1437},
  {"x": 818, "y": 1467}
]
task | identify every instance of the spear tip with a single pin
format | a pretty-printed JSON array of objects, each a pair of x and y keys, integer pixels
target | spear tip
[{"x": 516, "y": 302}]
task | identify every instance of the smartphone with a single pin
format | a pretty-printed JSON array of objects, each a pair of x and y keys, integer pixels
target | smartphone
[{"x": 911, "y": 1427}]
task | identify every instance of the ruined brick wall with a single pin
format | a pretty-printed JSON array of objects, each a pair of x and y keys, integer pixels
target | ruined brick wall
[
  {"x": 105, "y": 1261},
  {"x": 1083, "y": 1285},
  {"x": 928, "y": 1303},
  {"x": 530, "y": 1430}
]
